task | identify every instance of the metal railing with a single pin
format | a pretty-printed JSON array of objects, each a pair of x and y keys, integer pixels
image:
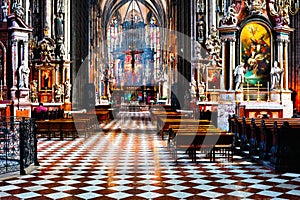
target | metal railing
[{"x": 18, "y": 144}]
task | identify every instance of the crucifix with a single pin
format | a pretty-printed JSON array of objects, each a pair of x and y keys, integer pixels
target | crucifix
[{"x": 258, "y": 95}]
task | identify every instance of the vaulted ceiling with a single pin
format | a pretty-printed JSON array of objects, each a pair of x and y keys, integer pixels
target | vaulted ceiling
[{"x": 159, "y": 8}]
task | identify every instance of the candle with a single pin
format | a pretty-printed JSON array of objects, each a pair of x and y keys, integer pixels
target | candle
[{"x": 268, "y": 86}]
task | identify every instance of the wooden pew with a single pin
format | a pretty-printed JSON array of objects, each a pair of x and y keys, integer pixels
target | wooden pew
[
  {"x": 285, "y": 150},
  {"x": 164, "y": 123},
  {"x": 263, "y": 140},
  {"x": 207, "y": 141},
  {"x": 60, "y": 128}
]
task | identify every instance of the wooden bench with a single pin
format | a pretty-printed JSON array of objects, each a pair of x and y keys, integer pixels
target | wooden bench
[
  {"x": 60, "y": 128},
  {"x": 212, "y": 142},
  {"x": 164, "y": 123}
]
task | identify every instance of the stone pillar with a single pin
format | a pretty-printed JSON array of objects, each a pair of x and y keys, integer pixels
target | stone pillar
[
  {"x": 228, "y": 33},
  {"x": 286, "y": 67},
  {"x": 232, "y": 62},
  {"x": 222, "y": 77},
  {"x": 14, "y": 61},
  {"x": 280, "y": 59},
  {"x": 283, "y": 33}
]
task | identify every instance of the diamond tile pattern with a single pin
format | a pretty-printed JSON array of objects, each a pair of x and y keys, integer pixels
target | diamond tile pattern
[{"x": 120, "y": 164}]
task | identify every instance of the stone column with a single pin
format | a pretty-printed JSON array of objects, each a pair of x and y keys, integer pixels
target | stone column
[
  {"x": 222, "y": 78},
  {"x": 232, "y": 62},
  {"x": 283, "y": 33},
  {"x": 280, "y": 59},
  {"x": 14, "y": 61},
  {"x": 286, "y": 66},
  {"x": 228, "y": 34}
]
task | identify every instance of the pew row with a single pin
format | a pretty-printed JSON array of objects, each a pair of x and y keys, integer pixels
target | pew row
[
  {"x": 211, "y": 142},
  {"x": 273, "y": 142}
]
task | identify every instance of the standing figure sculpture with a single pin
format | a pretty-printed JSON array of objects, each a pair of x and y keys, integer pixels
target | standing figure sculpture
[
  {"x": 239, "y": 77},
  {"x": 59, "y": 30},
  {"x": 58, "y": 92},
  {"x": 33, "y": 90},
  {"x": 4, "y": 10},
  {"x": 67, "y": 89},
  {"x": 275, "y": 73},
  {"x": 23, "y": 75}
]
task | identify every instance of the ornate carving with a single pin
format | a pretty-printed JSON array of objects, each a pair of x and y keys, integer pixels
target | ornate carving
[
  {"x": 230, "y": 18},
  {"x": 280, "y": 12},
  {"x": 256, "y": 6},
  {"x": 44, "y": 50},
  {"x": 213, "y": 46},
  {"x": 17, "y": 8}
]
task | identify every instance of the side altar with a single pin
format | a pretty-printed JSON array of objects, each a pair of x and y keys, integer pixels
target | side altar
[{"x": 246, "y": 71}]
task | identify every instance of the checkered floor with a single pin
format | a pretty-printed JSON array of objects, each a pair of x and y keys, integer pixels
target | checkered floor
[{"x": 119, "y": 164}]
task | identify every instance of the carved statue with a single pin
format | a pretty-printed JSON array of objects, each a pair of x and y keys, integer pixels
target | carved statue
[
  {"x": 4, "y": 10},
  {"x": 193, "y": 88},
  {"x": 280, "y": 12},
  {"x": 58, "y": 91},
  {"x": 17, "y": 8},
  {"x": 33, "y": 89},
  {"x": 23, "y": 75},
  {"x": 59, "y": 30},
  {"x": 256, "y": 6},
  {"x": 239, "y": 72},
  {"x": 201, "y": 29},
  {"x": 201, "y": 88},
  {"x": 275, "y": 73},
  {"x": 231, "y": 16},
  {"x": 67, "y": 89}
]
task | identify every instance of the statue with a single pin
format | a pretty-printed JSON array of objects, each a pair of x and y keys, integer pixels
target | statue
[
  {"x": 256, "y": 6},
  {"x": 239, "y": 72},
  {"x": 33, "y": 89},
  {"x": 193, "y": 88},
  {"x": 4, "y": 10},
  {"x": 58, "y": 91},
  {"x": 59, "y": 31},
  {"x": 17, "y": 8},
  {"x": 275, "y": 73},
  {"x": 201, "y": 88},
  {"x": 67, "y": 89},
  {"x": 23, "y": 75},
  {"x": 231, "y": 16}
]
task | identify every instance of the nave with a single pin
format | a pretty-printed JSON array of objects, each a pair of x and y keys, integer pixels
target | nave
[{"x": 130, "y": 161}]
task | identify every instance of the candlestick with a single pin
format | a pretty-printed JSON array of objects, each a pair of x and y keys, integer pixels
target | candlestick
[
  {"x": 268, "y": 92},
  {"x": 248, "y": 97},
  {"x": 1, "y": 91}
]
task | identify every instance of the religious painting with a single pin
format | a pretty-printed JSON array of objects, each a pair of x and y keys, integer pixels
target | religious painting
[
  {"x": 213, "y": 78},
  {"x": 45, "y": 81},
  {"x": 256, "y": 52}
]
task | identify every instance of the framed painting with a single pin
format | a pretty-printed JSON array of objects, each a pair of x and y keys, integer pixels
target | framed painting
[
  {"x": 256, "y": 52},
  {"x": 45, "y": 79},
  {"x": 213, "y": 78}
]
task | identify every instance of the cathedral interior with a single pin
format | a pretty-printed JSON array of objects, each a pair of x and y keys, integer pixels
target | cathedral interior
[
  {"x": 130, "y": 57},
  {"x": 162, "y": 52}
]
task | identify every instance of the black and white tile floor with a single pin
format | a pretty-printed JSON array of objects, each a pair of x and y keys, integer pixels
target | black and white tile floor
[{"x": 125, "y": 165}]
